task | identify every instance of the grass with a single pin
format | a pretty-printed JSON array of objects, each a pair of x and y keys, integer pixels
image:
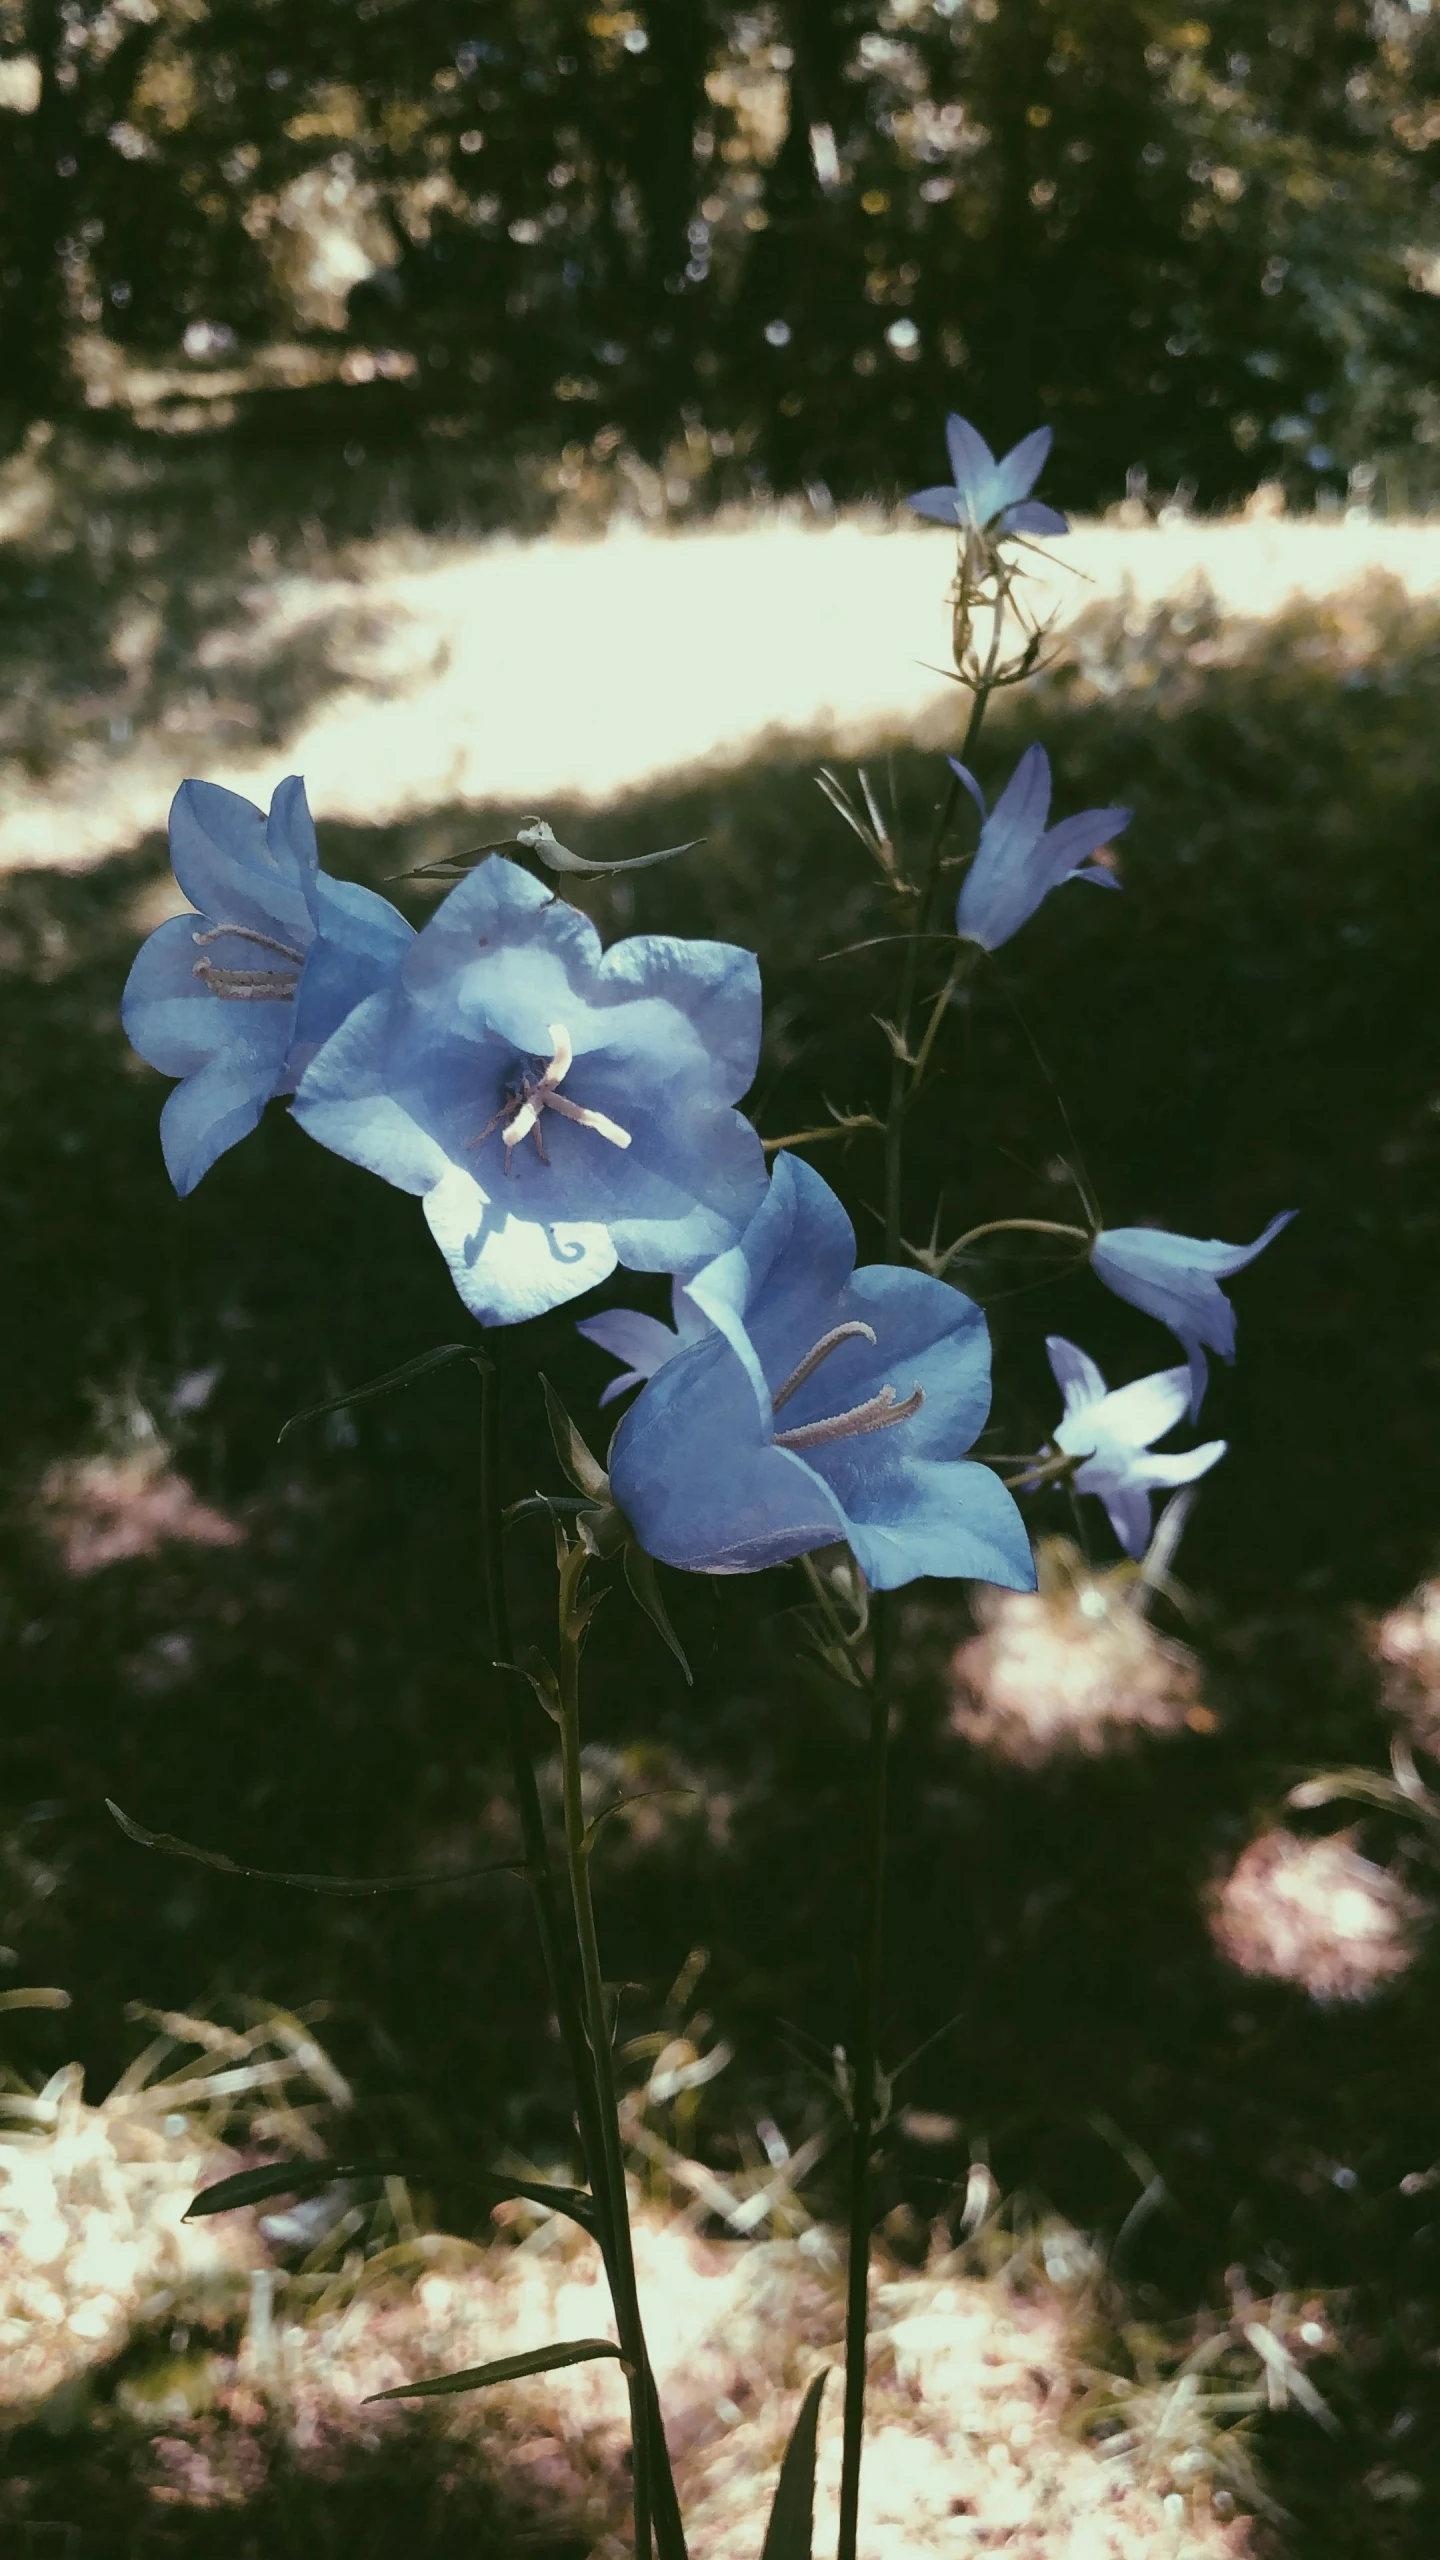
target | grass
[{"x": 1251, "y": 1028}]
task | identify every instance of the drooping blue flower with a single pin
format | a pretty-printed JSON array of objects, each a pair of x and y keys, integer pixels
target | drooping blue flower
[
  {"x": 643, "y": 1342},
  {"x": 1112, "y": 1430},
  {"x": 991, "y": 496},
  {"x": 1177, "y": 1278},
  {"x": 237, "y": 998},
  {"x": 824, "y": 1403},
  {"x": 557, "y": 1107},
  {"x": 1018, "y": 861}
]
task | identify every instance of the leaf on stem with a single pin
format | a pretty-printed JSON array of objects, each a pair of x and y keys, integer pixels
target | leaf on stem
[
  {"x": 537, "y": 837},
  {"x": 645, "y": 1588},
  {"x": 504, "y": 2369},
  {"x": 540, "y": 1672},
  {"x": 172, "y": 1847},
  {"x": 308, "y": 2177},
  {"x": 404, "y": 1376},
  {"x": 789, "y": 2534},
  {"x": 581, "y": 1467}
]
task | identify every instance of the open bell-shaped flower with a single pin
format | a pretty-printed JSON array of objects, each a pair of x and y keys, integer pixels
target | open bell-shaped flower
[
  {"x": 990, "y": 496},
  {"x": 1177, "y": 1279},
  {"x": 237, "y": 998},
  {"x": 1112, "y": 1429},
  {"x": 1018, "y": 860},
  {"x": 822, "y": 1403},
  {"x": 557, "y": 1107}
]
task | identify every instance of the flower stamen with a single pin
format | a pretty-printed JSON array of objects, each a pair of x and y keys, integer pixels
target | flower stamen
[
  {"x": 821, "y": 1350},
  {"x": 247, "y": 986},
  {"x": 248, "y": 933},
  {"x": 877, "y": 1414},
  {"x": 521, "y": 1110}
]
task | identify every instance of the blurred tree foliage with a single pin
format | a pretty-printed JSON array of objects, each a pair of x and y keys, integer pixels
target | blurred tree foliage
[{"x": 793, "y": 234}]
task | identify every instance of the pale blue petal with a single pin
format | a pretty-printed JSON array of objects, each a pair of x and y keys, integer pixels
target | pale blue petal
[
  {"x": 1163, "y": 1469},
  {"x": 963, "y": 775},
  {"x": 290, "y": 831},
  {"x": 939, "y": 506},
  {"x": 1127, "y": 1504},
  {"x": 357, "y": 1097},
  {"x": 1146, "y": 1409},
  {"x": 1076, "y": 1375},
  {"x": 956, "y": 1521},
  {"x": 1032, "y": 516},
  {"x": 222, "y": 857},
  {"x": 508, "y": 1266},
  {"x": 1001, "y": 890},
  {"x": 1018, "y": 470},
  {"x": 642, "y": 1342},
  {"x": 971, "y": 460},
  {"x": 360, "y": 943},
  {"x": 1074, "y": 840},
  {"x": 211, "y": 1111},
  {"x": 693, "y": 1470}
]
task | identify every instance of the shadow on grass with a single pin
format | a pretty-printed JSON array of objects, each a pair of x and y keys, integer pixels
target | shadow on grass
[{"x": 1251, "y": 1028}]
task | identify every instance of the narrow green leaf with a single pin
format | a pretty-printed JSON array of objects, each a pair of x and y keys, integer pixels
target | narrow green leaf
[
  {"x": 404, "y": 1376},
  {"x": 537, "y": 837},
  {"x": 645, "y": 1586},
  {"x": 790, "y": 2532},
  {"x": 172, "y": 1847},
  {"x": 540, "y": 1673},
  {"x": 505, "y": 2369},
  {"x": 583, "y": 1469},
  {"x": 307, "y": 2177}
]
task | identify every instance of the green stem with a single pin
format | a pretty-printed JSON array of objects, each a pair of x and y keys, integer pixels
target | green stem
[
  {"x": 559, "y": 1962},
  {"x": 863, "y": 2077},
  {"x": 1013, "y": 1226},
  {"x": 905, "y": 1073},
  {"x": 598, "y": 2033}
]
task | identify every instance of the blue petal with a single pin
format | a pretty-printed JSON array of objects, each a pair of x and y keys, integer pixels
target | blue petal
[
  {"x": 508, "y": 1266},
  {"x": 1032, "y": 516},
  {"x": 222, "y": 857},
  {"x": 953, "y": 1520},
  {"x": 642, "y": 1342},
  {"x": 1018, "y": 471},
  {"x": 360, "y": 943},
  {"x": 774, "y": 1293},
  {"x": 694, "y": 1472},
  {"x": 971, "y": 460},
  {"x": 290, "y": 832},
  {"x": 358, "y": 1098},
  {"x": 1076, "y": 1376},
  {"x": 212, "y": 1110},
  {"x": 939, "y": 506},
  {"x": 1001, "y": 889},
  {"x": 964, "y": 776}
]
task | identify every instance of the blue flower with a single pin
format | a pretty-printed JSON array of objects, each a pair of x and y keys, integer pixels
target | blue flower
[
  {"x": 1177, "y": 1278},
  {"x": 826, "y": 1404},
  {"x": 1112, "y": 1431},
  {"x": 237, "y": 999},
  {"x": 559, "y": 1108},
  {"x": 1018, "y": 861},
  {"x": 991, "y": 496},
  {"x": 643, "y": 1342}
]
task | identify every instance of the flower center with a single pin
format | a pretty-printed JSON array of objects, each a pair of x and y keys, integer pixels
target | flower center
[
  {"x": 528, "y": 1095},
  {"x": 248, "y": 986},
  {"x": 876, "y": 1414}
]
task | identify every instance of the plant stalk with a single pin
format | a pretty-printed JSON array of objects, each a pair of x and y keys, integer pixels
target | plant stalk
[{"x": 558, "y": 1959}]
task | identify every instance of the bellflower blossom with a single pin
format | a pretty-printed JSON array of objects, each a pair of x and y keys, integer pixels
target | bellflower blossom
[
  {"x": 1112, "y": 1431},
  {"x": 824, "y": 1403},
  {"x": 237, "y": 999},
  {"x": 990, "y": 496},
  {"x": 557, "y": 1107},
  {"x": 1018, "y": 861},
  {"x": 1177, "y": 1279},
  {"x": 643, "y": 1342}
]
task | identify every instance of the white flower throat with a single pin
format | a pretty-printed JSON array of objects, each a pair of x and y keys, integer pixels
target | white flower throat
[
  {"x": 249, "y": 986},
  {"x": 528, "y": 1097},
  {"x": 876, "y": 1414}
]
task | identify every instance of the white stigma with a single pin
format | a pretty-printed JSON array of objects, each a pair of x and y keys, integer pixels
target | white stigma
[
  {"x": 876, "y": 1414},
  {"x": 521, "y": 1113}
]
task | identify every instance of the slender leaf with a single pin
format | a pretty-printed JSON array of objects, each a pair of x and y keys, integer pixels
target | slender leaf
[
  {"x": 404, "y": 1376},
  {"x": 645, "y": 1585},
  {"x": 172, "y": 1847},
  {"x": 540, "y": 1672},
  {"x": 505, "y": 2369},
  {"x": 537, "y": 837},
  {"x": 39, "y": 1997},
  {"x": 790, "y": 2532},
  {"x": 583, "y": 1469},
  {"x": 307, "y": 2177}
]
